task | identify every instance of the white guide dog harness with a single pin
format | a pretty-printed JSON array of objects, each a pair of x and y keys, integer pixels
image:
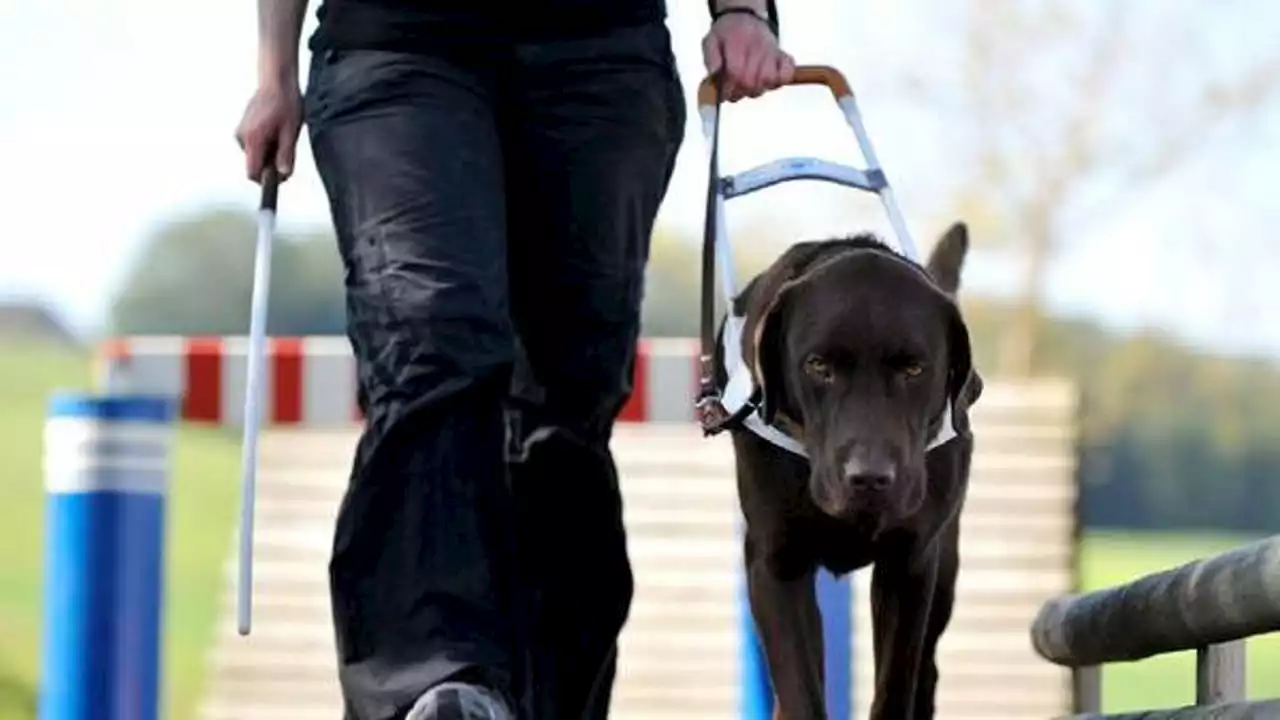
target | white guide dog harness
[{"x": 718, "y": 408}]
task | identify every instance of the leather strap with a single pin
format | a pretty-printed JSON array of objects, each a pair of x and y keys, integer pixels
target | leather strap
[
  {"x": 707, "y": 331},
  {"x": 709, "y": 407}
]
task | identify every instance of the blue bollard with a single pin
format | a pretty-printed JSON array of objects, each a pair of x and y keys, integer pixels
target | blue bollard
[
  {"x": 835, "y": 601},
  {"x": 757, "y": 692},
  {"x": 106, "y": 475}
]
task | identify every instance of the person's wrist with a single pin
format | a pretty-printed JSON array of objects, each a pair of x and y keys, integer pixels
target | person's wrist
[
  {"x": 756, "y": 9},
  {"x": 276, "y": 69},
  {"x": 760, "y": 7}
]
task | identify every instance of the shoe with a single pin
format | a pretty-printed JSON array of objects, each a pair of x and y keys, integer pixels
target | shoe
[{"x": 460, "y": 701}]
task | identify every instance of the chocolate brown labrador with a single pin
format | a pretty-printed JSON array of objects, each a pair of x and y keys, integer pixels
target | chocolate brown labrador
[{"x": 863, "y": 357}]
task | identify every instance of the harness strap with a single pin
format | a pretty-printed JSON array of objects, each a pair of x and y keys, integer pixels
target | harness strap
[
  {"x": 707, "y": 333},
  {"x": 709, "y": 408}
]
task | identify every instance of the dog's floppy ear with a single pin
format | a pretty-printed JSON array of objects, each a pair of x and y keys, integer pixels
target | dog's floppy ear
[
  {"x": 762, "y": 340},
  {"x": 769, "y": 350},
  {"x": 964, "y": 385}
]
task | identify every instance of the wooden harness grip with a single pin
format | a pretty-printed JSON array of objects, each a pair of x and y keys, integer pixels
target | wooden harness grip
[{"x": 805, "y": 75}]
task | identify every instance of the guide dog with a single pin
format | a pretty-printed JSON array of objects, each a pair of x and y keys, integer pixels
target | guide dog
[{"x": 859, "y": 454}]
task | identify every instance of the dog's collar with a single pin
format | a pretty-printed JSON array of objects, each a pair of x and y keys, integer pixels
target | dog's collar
[{"x": 741, "y": 390}]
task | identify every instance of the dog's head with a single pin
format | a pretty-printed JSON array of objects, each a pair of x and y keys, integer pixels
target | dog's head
[{"x": 864, "y": 356}]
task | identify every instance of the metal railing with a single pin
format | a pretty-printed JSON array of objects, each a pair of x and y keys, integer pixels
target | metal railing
[{"x": 1210, "y": 605}]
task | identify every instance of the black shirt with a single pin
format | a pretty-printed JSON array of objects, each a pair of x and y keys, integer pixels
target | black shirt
[{"x": 412, "y": 25}]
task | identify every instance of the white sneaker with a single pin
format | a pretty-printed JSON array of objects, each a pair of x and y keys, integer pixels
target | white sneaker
[{"x": 460, "y": 701}]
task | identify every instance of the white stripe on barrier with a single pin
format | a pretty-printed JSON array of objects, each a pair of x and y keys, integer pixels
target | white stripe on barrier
[
  {"x": 328, "y": 380},
  {"x": 672, "y": 380},
  {"x": 235, "y": 378},
  {"x": 153, "y": 366}
]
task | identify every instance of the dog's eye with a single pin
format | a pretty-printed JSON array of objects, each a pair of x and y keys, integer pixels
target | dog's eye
[
  {"x": 905, "y": 365},
  {"x": 818, "y": 369}
]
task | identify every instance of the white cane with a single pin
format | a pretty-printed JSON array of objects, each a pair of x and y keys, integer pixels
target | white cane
[{"x": 257, "y": 361}]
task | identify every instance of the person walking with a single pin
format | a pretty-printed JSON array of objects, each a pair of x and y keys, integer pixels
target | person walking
[{"x": 493, "y": 175}]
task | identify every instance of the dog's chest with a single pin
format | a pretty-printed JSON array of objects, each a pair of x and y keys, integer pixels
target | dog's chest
[{"x": 844, "y": 548}]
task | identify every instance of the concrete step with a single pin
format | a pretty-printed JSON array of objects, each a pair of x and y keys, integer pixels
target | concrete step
[
  {"x": 680, "y": 649},
  {"x": 650, "y": 526}
]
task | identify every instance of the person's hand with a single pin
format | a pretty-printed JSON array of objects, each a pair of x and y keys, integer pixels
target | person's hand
[
  {"x": 268, "y": 132},
  {"x": 744, "y": 46}
]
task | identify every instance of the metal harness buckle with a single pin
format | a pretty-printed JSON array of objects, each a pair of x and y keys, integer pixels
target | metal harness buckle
[{"x": 714, "y": 417}]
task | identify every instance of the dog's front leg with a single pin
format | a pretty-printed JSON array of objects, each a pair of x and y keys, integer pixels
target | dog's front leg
[
  {"x": 786, "y": 614},
  {"x": 944, "y": 598},
  {"x": 902, "y": 589}
]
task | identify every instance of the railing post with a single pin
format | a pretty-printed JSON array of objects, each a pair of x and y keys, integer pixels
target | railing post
[
  {"x": 106, "y": 476},
  {"x": 1087, "y": 689},
  {"x": 1220, "y": 673}
]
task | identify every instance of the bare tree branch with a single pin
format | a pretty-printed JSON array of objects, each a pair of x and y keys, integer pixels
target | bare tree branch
[
  {"x": 1082, "y": 140},
  {"x": 1054, "y": 98},
  {"x": 1218, "y": 102}
]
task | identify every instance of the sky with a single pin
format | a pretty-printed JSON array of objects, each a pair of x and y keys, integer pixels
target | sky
[{"x": 119, "y": 116}]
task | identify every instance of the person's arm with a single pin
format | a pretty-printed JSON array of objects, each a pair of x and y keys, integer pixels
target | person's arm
[
  {"x": 268, "y": 131},
  {"x": 279, "y": 34}
]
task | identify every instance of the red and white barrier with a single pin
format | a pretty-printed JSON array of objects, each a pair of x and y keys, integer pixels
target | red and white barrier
[{"x": 311, "y": 380}]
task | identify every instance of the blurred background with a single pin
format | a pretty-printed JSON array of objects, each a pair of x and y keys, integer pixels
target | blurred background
[{"x": 1114, "y": 161}]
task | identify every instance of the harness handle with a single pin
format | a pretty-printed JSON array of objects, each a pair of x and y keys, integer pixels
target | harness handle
[
  {"x": 826, "y": 75},
  {"x": 710, "y": 409}
]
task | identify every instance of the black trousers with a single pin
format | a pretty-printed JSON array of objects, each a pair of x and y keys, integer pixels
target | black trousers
[{"x": 493, "y": 210}]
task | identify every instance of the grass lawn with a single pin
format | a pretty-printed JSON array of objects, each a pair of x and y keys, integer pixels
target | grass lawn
[
  {"x": 202, "y": 515},
  {"x": 204, "y": 498}
]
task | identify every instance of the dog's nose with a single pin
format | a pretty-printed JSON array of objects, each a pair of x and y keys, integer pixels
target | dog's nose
[{"x": 868, "y": 476}]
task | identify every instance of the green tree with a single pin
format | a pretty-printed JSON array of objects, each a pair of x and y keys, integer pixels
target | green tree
[{"x": 195, "y": 276}]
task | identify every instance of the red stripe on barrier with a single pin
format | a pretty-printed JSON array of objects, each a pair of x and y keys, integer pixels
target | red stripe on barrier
[
  {"x": 202, "y": 396},
  {"x": 286, "y": 380},
  {"x": 637, "y": 407}
]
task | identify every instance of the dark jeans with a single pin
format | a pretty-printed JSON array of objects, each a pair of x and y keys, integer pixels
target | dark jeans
[{"x": 493, "y": 212}]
